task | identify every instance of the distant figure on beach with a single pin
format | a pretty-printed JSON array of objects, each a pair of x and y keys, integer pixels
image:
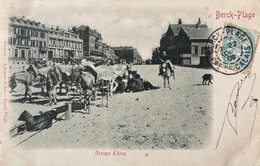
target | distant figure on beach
[
  {"x": 166, "y": 70},
  {"x": 71, "y": 60}
]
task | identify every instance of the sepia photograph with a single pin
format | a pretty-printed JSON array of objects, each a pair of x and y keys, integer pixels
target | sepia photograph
[{"x": 129, "y": 83}]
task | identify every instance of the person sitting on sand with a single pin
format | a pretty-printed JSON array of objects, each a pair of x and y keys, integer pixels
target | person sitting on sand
[
  {"x": 138, "y": 85},
  {"x": 148, "y": 85},
  {"x": 120, "y": 84}
]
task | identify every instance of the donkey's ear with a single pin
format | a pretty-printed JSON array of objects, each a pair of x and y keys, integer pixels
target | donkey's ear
[{"x": 24, "y": 116}]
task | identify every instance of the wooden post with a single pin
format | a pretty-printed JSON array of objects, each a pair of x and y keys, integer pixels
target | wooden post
[{"x": 68, "y": 112}]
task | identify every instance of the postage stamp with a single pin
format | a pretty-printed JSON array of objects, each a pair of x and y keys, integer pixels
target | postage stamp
[{"x": 231, "y": 49}]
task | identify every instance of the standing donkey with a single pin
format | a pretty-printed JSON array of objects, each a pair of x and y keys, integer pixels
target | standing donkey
[{"x": 166, "y": 71}]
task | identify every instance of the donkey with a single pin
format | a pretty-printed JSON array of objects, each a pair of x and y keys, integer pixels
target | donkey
[
  {"x": 27, "y": 78},
  {"x": 56, "y": 77},
  {"x": 87, "y": 83},
  {"x": 166, "y": 71}
]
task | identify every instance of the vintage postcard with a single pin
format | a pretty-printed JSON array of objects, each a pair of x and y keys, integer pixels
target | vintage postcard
[{"x": 120, "y": 82}]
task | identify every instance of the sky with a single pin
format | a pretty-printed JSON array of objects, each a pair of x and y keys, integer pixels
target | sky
[{"x": 121, "y": 22}]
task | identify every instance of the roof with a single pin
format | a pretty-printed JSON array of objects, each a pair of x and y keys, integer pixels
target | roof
[
  {"x": 63, "y": 30},
  {"x": 26, "y": 22},
  {"x": 82, "y": 27},
  {"x": 197, "y": 33},
  {"x": 49, "y": 29},
  {"x": 122, "y": 48},
  {"x": 95, "y": 33},
  {"x": 177, "y": 27},
  {"x": 91, "y": 31},
  {"x": 163, "y": 35}
]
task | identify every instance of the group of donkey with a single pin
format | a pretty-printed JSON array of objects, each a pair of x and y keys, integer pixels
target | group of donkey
[{"x": 87, "y": 78}]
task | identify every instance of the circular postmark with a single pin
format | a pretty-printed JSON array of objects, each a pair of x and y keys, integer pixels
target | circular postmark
[{"x": 229, "y": 50}]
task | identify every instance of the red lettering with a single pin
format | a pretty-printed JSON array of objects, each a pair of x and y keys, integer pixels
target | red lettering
[
  {"x": 217, "y": 15},
  {"x": 239, "y": 14}
]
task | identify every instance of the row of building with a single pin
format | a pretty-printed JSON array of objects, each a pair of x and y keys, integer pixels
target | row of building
[
  {"x": 184, "y": 44},
  {"x": 127, "y": 54},
  {"x": 31, "y": 40}
]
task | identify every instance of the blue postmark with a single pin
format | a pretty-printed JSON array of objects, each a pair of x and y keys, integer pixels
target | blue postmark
[{"x": 231, "y": 50}]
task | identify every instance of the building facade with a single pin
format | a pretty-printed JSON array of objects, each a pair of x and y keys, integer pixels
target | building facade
[
  {"x": 108, "y": 52},
  {"x": 31, "y": 40},
  {"x": 92, "y": 40},
  {"x": 28, "y": 39},
  {"x": 185, "y": 43},
  {"x": 128, "y": 54},
  {"x": 62, "y": 41}
]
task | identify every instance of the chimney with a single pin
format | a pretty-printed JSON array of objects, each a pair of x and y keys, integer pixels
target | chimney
[
  {"x": 57, "y": 28},
  {"x": 43, "y": 25},
  {"x": 179, "y": 22},
  {"x": 199, "y": 22},
  {"x": 74, "y": 28},
  {"x": 52, "y": 27}
]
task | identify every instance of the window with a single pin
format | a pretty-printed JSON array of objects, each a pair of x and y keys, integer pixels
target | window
[
  {"x": 23, "y": 53},
  {"x": 29, "y": 33},
  {"x": 35, "y": 34},
  {"x": 29, "y": 53},
  {"x": 34, "y": 43},
  {"x": 16, "y": 31},
  {"x": 16, "y": 53},
  {"x": 23, "y": 32},
  {"x": 203, "y": 50},
  {"x": 10, "y": 41},
  {"x": 18, "y": 41},
  {"x": 23, "y": 42},
  {"x": 42, "y": 35},
  {"x": 196, "y": 49},
  {"x": 29, "y": 43},
  {"x": 14, "y": 41}
]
